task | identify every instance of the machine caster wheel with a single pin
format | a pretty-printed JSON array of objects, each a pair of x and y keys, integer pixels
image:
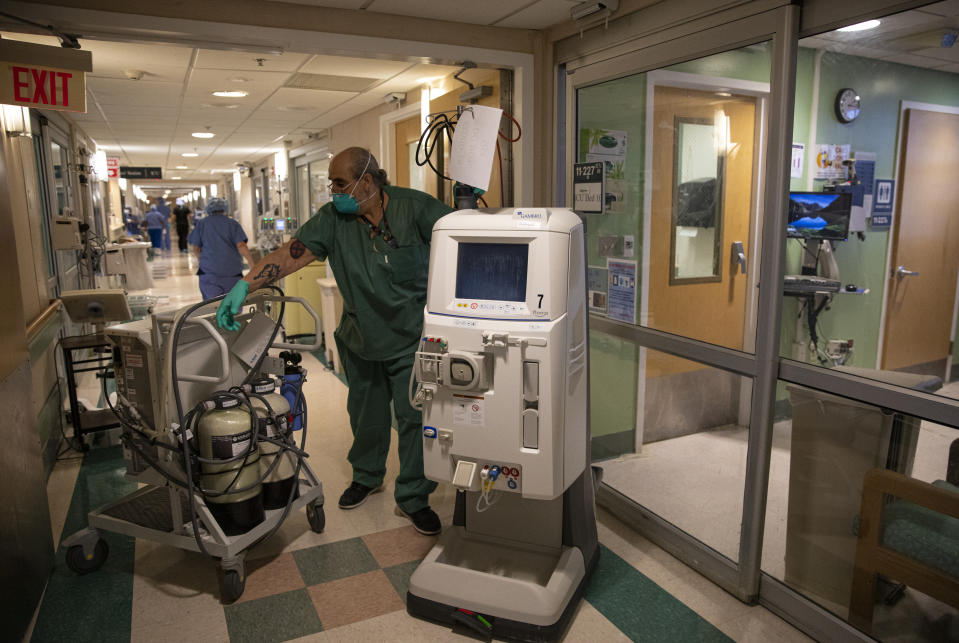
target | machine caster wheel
[
  {"x": 231, "y": 586},
  {"x": 80, "y": 563},
  {"x": 316, "y": 516}
]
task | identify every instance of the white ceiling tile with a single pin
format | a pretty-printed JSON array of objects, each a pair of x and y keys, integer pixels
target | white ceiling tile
[
  {"x": 477, "y": 13},
  {"x": 357, "y": 67},
  {"x": 248, "y": 61},
  {"x": 288, "y": 103},
  {"x": 540, "y": 15}
]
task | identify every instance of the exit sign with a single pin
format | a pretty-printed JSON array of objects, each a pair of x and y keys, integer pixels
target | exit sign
[{"x": 43, "y": 77}]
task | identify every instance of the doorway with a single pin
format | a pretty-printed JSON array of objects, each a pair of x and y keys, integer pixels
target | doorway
[{"x": 924, "y": 249}]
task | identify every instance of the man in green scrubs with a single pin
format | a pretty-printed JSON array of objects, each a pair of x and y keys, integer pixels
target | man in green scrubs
[{"x": 376, "y": 238}]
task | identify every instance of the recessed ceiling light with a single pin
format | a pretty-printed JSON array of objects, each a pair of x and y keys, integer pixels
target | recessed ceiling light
[
  {"x": 723, "y": 94},
  {"x": 175, "y": 178},
  {"x": 190, "y": 154},
  {"x": 861, "y": 26},
  {"x": 182, "y": 167},
  {"x": 202, "y": 134},
  {"x": 238, "y": 79},
  {"x": 220, "y": 105},
  {"x": 236, "y": 93}
]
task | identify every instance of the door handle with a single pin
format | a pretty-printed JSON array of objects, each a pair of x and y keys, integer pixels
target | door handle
[
  {"x": 739, "y": 256},
  {"x": 901, "y": 272}
]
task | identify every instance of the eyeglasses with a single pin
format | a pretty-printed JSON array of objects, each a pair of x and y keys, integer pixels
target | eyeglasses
[{"x": 339, "y": 185}]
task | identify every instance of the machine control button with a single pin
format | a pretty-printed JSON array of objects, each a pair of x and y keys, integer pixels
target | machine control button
[
  {"x": 511, "y": 483},
  {"x": 530, "y": 429},
  {"x": 445, "y": 434},
  {"x": 429, "y": 432},
  {"x": 530, "y": 381}
]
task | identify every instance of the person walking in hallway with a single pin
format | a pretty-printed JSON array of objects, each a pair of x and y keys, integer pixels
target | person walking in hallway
[
  {"x": 156, "y": 223},
  {"x": 181, "y": 214},
  {"x": 220, "y": 244}
]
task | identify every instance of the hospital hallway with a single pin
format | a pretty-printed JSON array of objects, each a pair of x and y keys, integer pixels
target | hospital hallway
[{"x": 348, "y": 583}]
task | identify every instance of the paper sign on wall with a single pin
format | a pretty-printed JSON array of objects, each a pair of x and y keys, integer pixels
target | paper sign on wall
[
  {"x": 622, "y": 290},
  {"x": 474, "y": 144},
  {"x": 798, "y": 158},
  {"x": 829, "y": 158}
]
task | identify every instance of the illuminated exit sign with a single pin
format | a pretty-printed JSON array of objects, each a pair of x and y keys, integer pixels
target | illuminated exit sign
[{"x": 43, "y": 77}]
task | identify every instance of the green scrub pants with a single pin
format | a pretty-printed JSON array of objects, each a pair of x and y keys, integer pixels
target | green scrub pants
[{"x": 372, "y": 386}]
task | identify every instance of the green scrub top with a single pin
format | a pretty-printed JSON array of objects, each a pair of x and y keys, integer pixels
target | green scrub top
[{"x": 383, "y": 288}]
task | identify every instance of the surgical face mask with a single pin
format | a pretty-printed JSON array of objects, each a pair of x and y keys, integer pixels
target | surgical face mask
[{"x": 347, "y": 203}]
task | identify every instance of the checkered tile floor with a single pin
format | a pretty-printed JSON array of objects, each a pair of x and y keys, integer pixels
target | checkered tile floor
[{"x": 326, "y": 586}]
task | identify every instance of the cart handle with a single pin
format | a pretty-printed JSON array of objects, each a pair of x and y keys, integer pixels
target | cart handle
[
  {"x": 224, "y": 355},
  {"x": 316, "y": 325}
]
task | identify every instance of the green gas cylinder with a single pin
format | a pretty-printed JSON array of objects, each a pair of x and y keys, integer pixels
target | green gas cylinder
[{"x": 224, "y": 435}]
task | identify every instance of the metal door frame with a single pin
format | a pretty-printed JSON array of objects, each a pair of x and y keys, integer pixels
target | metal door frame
[{"x": 779, "y": 25}]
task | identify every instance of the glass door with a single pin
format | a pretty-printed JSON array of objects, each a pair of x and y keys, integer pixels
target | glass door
[{"x": 676, "y": 412}]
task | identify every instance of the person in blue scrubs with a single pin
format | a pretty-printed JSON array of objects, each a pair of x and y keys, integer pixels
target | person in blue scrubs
[
  {"x": 220, "y": 244},
  {"x": 156, "y": 223},
  {"x": 164, "y": 209}
]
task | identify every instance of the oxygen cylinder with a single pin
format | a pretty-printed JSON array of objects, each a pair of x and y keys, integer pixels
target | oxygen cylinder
[
  {"x": 224, "y": 435},
  {"x": 273, "y": 424}
]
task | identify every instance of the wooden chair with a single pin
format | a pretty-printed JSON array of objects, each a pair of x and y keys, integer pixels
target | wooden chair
[{"x": 908, "y": 540}]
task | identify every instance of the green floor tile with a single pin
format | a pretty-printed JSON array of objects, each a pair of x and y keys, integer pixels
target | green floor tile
[
  {"x": 280, "y": 617},
  {"x": 400, "y": 574},
  {"x": 640, "y": 608},
  {"x": 332, "y": 561},
  {"x": 99, "y": 605}
]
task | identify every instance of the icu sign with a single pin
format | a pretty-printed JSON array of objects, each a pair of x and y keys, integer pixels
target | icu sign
[{"x": 43, "y": 77}]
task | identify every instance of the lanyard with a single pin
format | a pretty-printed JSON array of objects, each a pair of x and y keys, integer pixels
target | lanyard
[{"x": 383, "y": 229}]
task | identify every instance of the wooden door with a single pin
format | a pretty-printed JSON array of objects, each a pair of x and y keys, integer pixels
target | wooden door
[
  {"x": 713, "y": 311},
  {"x": 919, "y": 308},
  {"x": 406, "y": 132}
]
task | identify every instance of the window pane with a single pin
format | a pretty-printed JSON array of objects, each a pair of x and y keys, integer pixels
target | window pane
[
  {"x": 876, "y": 126},
  {"x": 676, "y": 245},
  {"x": 817, "y": 518},
  {"x": 690, "y": 463}
]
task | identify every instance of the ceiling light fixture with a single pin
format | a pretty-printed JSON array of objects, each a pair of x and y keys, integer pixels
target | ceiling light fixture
[
  {"x": 190, "y": 154},
  {"x": 236, "y": 93},
  {"x": 202, "y": 134},
  {"x": 182, "y": 167},
  {"x": 861, "y": 26},
  {"x": 238, "y": 79},
  {"x": 175, "y": 178}
]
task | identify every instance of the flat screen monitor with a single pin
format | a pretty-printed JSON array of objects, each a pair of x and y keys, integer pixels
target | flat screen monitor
[
  {"x": 492, "y": 271},
  {"x": 819, "y": 215}
]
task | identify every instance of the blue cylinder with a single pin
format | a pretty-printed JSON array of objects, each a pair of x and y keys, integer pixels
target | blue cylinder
[{"x": 292, "y": 383}]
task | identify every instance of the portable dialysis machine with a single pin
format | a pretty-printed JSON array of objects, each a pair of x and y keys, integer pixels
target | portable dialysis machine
[{"x": 501, "y": 376}]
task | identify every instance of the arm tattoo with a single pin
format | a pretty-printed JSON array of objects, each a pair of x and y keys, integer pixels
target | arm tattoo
[
  {"x": 297, "y": 249},
  {"x": 269, "y": 274}
]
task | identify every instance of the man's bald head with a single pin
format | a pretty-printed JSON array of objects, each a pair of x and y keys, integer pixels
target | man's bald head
[{"x": 354, "y": 160}]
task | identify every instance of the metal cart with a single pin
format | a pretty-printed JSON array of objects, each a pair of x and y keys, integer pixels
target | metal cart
[{"x": 161, "y": 510}]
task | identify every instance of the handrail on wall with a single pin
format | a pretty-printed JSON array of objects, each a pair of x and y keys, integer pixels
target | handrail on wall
[{"x": 34, "y": 327}]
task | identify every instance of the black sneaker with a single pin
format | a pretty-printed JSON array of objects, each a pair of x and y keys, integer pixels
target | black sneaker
[
  {"x": 355, "y": 495},
  {"x": 424, "y": 520}
]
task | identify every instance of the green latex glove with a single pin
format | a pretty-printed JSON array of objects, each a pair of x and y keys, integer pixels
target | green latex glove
[{"x": 231, "y": 305}]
